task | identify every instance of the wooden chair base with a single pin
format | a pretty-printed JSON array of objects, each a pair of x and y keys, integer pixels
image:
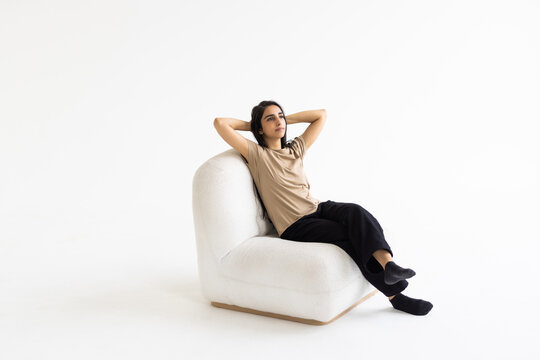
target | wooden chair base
[{"x": 292, "y": 318}]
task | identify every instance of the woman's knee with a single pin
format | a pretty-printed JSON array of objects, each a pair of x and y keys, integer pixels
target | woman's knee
[{"x": 355, "y": 209}]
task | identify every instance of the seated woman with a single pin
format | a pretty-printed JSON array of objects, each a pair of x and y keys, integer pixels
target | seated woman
[{"x": 277, "y": 170}]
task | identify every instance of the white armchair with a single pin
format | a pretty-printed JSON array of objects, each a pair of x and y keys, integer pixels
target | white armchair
[{"x": 244, "y": 265}]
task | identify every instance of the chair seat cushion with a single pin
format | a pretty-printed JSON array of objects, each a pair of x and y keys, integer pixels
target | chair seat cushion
[{"x": 305, "y": 267}]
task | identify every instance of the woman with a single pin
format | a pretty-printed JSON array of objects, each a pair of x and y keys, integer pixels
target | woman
[{"x": 277, "y": 169}]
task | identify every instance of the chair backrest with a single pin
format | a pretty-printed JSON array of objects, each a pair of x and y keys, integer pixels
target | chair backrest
[{"x": 226, "y": 208}]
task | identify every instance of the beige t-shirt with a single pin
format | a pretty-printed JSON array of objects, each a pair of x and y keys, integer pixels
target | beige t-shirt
[{"x": 282, "y": 183}]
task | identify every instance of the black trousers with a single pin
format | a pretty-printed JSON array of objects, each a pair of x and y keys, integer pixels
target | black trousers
[{"x": 352, "y": 228}]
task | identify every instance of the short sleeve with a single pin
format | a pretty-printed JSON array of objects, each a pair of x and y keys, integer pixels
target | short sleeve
[
  {"x": 253, "y": 155},
  {"x": 299, "y": 146}
]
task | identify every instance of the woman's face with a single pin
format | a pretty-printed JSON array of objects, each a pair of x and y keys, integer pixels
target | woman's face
[{"x": 273, "y": 122}]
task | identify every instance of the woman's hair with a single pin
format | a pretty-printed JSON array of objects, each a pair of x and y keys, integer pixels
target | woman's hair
[{"x": 256, "y": 117}]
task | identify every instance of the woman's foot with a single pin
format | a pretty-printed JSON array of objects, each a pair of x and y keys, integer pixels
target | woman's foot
[
  {"x": 394, "y": 273},
  {"x": 410, "y": 305}
]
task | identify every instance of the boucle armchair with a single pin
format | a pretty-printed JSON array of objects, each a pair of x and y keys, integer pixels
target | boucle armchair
[{"x": 245, "y": 266}]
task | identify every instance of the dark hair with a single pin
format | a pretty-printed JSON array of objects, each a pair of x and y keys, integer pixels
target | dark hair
[{"x": 256, "y": 117}]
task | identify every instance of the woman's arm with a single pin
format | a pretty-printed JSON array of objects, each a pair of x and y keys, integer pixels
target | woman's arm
[
  {"x": 317, "y": 118},
  {"x": 308, "y": 116},
  {"x": 226, "y": 128},
  {"x": 235, "y": 123}
]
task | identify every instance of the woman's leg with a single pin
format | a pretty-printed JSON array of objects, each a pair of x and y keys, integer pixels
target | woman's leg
[
  {"x": 364, "y": 230},
  {"x": 315, "y": 229},
  {"x": 382, "y": 256},
  {"x": 367, "y": 236}
]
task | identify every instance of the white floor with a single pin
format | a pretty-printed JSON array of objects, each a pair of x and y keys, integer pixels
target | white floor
[{"x": 106, "y": 293}]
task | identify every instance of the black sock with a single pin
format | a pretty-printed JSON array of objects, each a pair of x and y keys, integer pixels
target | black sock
[
  {"x": 394, "y": 273},
  {"x": 410, "y": 305}
]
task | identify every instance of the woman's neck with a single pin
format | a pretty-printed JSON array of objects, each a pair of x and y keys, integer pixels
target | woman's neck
[{"x": 274, "y": 144}]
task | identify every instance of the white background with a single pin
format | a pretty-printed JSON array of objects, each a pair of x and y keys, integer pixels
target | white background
[{"x": 106, "y": 111}]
